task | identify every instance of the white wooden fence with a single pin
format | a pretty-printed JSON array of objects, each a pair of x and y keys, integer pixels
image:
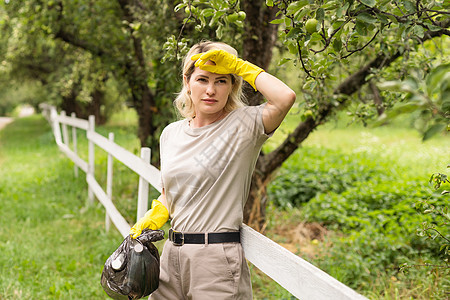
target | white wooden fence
[{"x": 299, "y": 277}]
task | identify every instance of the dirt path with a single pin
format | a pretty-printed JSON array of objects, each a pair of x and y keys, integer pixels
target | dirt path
[{"x": 5, "y": 121}]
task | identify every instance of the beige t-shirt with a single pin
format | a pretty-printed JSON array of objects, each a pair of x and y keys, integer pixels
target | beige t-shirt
[{"x": 206, "y": 172}]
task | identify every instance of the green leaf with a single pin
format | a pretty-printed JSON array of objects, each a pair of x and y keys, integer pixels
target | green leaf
[
  {"x": 337, "y": 45},
  {"x": 366, "y": 18},
  {"x": 288, "y": 22},
  {"x": 219, "y": 32},
  {"x": 294, "y": 7},
  {"x": 217, "y": 4},
  {"x": 392, "y": 18},
  {"x": 207, "y": 12},
  {"x": 136, "y": 26},
  {"x": 179, "y": 6},
  {"x": 406, "y": 32},
  {"x": 383, "y": 19},
  {"x": 370, "y": 3},
  {"x": 361, "y": 28},
  {"x": 320, "y": 14},
  {"x": 292, "y": 48},
  {"x": 410, "y": 6},
  {"x": 277, "y": 21},
  {"x": 303, "y": 13},
  {"x": 410, "y": 84},
  {"x": 269, "y": 3},
  {"x": 419, "y": 31},
  {"x": 341, "y": 10},
  {"x": 403, "y": 108},
  {"x": 445, "y": 101},
  {"x": 293, "y": 33},
  {"x": 432, "y": 27},
  {"x": 336, "y": 24},
  {"x": 436, "y": 76},
  {"x": 215, "y": 18},
  {"x": 283, "y": 61},
  {"x": 316, "y": 37},
  {"x": 433, "y": 130},
  {"x": 390, "y": 86}
]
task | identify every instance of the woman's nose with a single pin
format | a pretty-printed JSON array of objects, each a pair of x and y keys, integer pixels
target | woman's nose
[{"x": 210, "y": 90}]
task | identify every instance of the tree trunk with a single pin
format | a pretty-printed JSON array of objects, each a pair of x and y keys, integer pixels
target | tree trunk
[
  {"x": 137, "y": 77},
  {"x": 255, "y": 208},
  {"x": 259, "y": 39},
  {"x": 95, "y": 107},
  {"x": 144, "y": 103},
  {"x": 69, "y": 102}
]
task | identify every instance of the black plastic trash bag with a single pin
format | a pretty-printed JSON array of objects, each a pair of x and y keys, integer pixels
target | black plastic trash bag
[{"x": 132, "y": 271}]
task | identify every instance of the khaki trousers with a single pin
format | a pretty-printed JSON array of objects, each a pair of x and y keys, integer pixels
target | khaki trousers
[{"x": 211, "y": 271}]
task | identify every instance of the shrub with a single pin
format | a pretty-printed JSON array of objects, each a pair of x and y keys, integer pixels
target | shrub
[{"x": 312, "y": 171}]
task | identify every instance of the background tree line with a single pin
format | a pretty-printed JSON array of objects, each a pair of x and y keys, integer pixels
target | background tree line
[{"x": 374, "y": 58}]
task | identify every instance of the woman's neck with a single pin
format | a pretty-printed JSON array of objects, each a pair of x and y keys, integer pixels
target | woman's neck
[{"x": 201, "y": 120}]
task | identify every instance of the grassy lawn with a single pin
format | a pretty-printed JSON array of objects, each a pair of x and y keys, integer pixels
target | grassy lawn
[{"x": 53, "y": 244}]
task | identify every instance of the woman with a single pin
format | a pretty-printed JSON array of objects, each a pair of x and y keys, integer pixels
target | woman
[{"x": 207, "y": 160}]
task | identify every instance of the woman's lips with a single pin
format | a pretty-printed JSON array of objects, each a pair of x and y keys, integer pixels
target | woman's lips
[{"x": 209, "y": 101}]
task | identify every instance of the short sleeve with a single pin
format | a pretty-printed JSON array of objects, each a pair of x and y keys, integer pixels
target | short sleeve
[{"x": 254, "y": 121}]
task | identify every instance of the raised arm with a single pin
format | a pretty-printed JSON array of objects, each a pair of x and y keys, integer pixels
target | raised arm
[{"x": 280, "y": 99}]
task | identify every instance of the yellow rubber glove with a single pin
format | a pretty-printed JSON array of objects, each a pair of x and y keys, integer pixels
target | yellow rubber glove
[
  {"x": 154, "y": 219},
  {"x": 227, "y": 63}
]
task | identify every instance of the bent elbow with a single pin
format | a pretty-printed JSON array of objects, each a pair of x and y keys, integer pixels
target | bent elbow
[{"x": 290, "y": 98}]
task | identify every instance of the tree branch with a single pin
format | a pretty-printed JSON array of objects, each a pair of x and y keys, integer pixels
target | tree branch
[
  {"x": 377, "y": 99},
  {"x": 328, "y": 40},
  {"x": 362, "y": 48},
  {"x": 137, "y": 42},
  {"x": 71, "y": 38},
  {"x": 439, "y": 234},
  {"x": 300, "y": 57},
  {"x": 180, "y": 34},
  {"x": 74, "y": 40}
]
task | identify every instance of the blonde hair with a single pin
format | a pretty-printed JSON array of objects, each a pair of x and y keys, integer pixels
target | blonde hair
[{"x": 183, "y": 101}]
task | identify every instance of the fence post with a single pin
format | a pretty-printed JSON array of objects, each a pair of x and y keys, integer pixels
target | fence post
[
  {"x": 109, "y": 181},
  {"x": 142, "y": 206},
  {"x": 64, "y": 130},
  {"x": 74, "y": 142},
  {"x": 91, "y": 163},
  {"x": 55, "y": 125}
]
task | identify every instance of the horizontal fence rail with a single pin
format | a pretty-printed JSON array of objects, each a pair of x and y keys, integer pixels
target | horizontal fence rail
[
  {"x": 299, "y": 277},
  {"x": 147, "y": 171}
]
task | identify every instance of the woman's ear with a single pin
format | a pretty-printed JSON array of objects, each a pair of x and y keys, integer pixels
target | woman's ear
[{"x": 186, "y": 83}]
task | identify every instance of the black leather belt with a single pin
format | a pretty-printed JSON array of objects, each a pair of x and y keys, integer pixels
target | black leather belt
[{"x": 180, "y": 238}]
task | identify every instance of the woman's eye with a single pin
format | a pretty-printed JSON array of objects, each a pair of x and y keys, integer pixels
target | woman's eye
[
  {"x": 222, "y": 81},
  {"x": 201, "y": 79}
]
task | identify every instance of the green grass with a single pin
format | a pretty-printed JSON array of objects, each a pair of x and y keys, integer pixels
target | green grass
[{"x": 52, "y": 245}]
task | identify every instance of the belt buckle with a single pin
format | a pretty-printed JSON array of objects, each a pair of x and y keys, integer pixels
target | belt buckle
[{"x": 176, "y": 237}]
